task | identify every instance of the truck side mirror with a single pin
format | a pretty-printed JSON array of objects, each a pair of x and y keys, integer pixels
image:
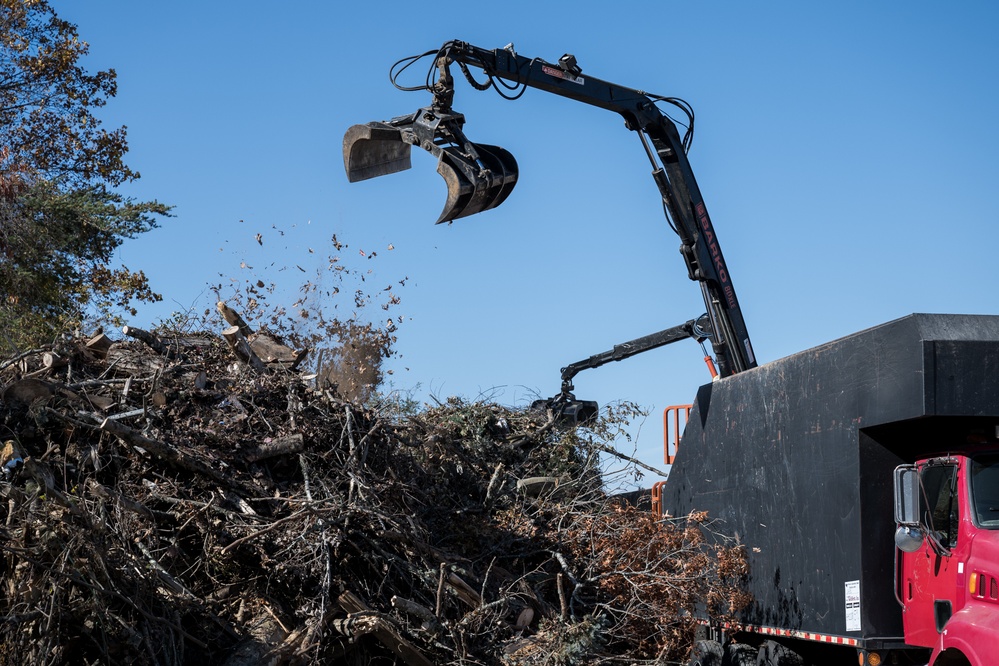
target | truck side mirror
[
  {"x": 907, "y": 495},
  {"x": 908, "y": 537}
]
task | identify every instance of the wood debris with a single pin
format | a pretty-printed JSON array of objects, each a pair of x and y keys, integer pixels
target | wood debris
[{"x": 197, "y": 499}]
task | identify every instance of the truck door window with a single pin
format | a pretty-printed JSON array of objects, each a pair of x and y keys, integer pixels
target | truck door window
[
  {"x": 939, "y": 503},
  {"x": 985, "y": 491}
]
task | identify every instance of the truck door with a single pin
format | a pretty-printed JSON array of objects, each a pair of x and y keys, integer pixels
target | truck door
[{"x": 929, "y": 575}]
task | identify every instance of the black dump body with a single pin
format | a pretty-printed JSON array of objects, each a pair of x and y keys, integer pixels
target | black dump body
[{"x": 795, "y": 458}]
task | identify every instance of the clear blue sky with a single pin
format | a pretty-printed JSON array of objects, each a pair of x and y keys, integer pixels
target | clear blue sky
[{"x": 847, "y": 152}]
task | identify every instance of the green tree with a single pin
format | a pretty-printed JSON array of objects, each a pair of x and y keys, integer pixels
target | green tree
[{"x": 60, "y": 220}]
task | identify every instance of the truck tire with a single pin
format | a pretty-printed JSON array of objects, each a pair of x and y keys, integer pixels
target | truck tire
[
  {"x": 739, "y": 654},
  {"x": 775, "y": 654},
  {"x": 706, "y": 653}
]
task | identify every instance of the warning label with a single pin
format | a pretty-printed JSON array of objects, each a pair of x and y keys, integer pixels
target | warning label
[
  {"x": 853, "y": 605},
  {"x": 560, "y": 74}
]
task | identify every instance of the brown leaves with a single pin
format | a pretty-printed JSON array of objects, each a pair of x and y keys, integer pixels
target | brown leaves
[{"x": 657, "y": 573}]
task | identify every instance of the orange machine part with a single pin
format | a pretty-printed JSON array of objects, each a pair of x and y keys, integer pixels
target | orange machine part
[
  {"x": 657, "y": 498},
  {"x": 674, "y": 420}
]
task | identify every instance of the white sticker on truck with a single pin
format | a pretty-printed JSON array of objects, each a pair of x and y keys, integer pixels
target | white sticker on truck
[{"x": 853, "y": 605}]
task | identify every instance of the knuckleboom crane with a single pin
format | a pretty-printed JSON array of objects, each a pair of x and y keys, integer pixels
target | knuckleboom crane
[
  {"x": 481, "y": 176},
  {"x": 804, "y": 482}
]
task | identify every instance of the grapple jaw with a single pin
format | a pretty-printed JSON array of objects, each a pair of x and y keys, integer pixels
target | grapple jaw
[
  {"x": 478, "y": 176},
  {"x": 373, "y": 150},
  {"x": 568, "y": 411}
]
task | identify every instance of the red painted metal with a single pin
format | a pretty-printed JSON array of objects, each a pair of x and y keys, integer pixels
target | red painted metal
[{"x": 928, "y": 577}]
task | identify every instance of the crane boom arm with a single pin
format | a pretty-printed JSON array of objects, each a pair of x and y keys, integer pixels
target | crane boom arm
[
  {"x": 481, "y": 176},
  {"x": 629, "y": 349},
  {"x": 671, "y": 170}
]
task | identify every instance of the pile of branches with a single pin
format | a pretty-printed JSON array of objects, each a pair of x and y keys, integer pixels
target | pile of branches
[{"x": 200, "y": 499}]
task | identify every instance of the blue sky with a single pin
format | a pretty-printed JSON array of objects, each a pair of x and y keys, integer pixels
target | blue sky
[{"x": 846, "y": 152}]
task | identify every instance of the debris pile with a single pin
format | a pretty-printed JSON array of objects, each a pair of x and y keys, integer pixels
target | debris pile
[{"x": 199, "y": 499}]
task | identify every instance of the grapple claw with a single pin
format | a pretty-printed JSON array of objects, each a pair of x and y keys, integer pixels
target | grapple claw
[
  {"x": 569, "y": 411},
  {"x": 372, "y": 150},
  {"x": 478, "y": 176},
  {"x": 475, "y": 185}
]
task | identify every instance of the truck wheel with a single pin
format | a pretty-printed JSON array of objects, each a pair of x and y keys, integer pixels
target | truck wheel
[
  {"x": 706, "y": 653},
  {"x": 739, "y": 654},
  {"x": 775, "y": 654}
]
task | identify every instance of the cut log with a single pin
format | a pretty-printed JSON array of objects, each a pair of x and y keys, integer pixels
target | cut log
[
  {"x": 132, "y": 362},
  {"x": 201, "y": 380},
  {"x": 276, "y": 447},
  {"x": 161, "y": 450},
  {"x": 430, "y": 621},
  {"x": 381, "y": 628},
  {"x": 465, "y": 592},
  {"x": 524, "y": 619},
  {"x": 16, "y": 361},
  {"x": 52, "y": 360},
  {"x": 271, "y": 350},
  {"x": 99, "y": 345},
  {"x": 98, "y": 401},
  {"x": 150, "y": 339},
  {"x": 240, "y": 347},
  {"x": 535, "y": 486},
  {"x": 233, "y": 318},
  {"x": 352, "y": 603},
  {"x": 191, "y": 341}
]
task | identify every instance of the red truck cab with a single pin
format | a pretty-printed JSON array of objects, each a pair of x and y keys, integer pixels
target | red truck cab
[{"x": 947, "y": 510}]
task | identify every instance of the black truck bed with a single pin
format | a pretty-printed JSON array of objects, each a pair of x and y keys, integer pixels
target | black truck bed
[{"x": 795, "y": 457}]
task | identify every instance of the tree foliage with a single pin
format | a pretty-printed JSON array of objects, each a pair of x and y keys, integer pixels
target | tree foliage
[
  {"x": 60, "y": 220},
  {"x": 56, "y": 245},
  {"x": 47, "y": 100}
]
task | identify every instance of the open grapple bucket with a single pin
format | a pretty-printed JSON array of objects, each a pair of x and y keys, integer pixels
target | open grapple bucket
[
  {"x": 478, "y": 176},
  {"x": 373, "y": 150}
]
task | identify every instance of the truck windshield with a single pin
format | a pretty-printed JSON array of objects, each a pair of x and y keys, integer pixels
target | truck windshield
[{"x": 985, "y": 490}]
